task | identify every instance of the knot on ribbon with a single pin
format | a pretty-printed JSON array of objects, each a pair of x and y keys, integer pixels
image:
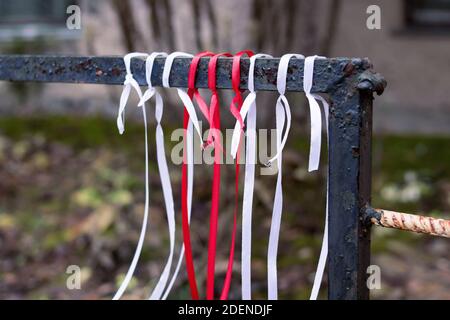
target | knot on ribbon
[
  {"x": 129, "y": 83},
  {"x": 148, "y": 94},
  {"x": 237, "y": 101},
  {"x": 248, "y": 104},
  {"x": 282, "y": 102},
  {"x": 128, "y": 78}
]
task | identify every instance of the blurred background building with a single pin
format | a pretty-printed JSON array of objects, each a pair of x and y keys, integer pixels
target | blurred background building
[{"x": 411, "y": 49}]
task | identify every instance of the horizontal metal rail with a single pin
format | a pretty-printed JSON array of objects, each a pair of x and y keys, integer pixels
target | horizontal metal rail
[
  {"x": 349, "y": 83},
  {"x": 328, "y": 73},
  {"x": 408, "y": 222}
]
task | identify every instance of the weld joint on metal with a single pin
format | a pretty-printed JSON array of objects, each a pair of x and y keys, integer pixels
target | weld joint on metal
[
  {"x": 371, "y": 81},
  {"x": 370, "y": 216}
]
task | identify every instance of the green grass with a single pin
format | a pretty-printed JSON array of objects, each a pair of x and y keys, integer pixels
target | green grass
[
  {"x": 80, "y": 133},
  {"x": 428, "y": 155}
]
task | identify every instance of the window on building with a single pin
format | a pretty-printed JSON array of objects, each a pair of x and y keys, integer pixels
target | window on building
[
  {"x": 30, "y": 19},
  {"x": 428, "y": 14}
]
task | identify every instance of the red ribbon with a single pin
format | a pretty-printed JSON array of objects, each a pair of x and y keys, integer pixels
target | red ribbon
[
  {"x": 235, "y": 108},
  {"x": 184, "y": 215},
  {"x": 237, "y": 101},
  {"x": 212, "y": 115},
  {"x": 184, "y": 197}
]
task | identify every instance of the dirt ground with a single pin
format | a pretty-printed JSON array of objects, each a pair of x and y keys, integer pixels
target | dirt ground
[{"x": 72, "y": 193}]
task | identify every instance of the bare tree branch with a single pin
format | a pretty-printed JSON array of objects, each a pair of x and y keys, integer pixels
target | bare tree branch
[
  {"x": 213, "y": 21},
  {"x": 196, "y": 13},
  {"x": 333, "y": 20},
  {"x": 154, "y": 19},
  {"x": 130, "y": 32},
  {"x": 170, "y": 35}
]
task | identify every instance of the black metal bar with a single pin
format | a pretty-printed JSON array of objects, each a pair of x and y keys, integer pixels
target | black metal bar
[
  {"x": 350, "y": 130},
  {"x": 365, "y": 188},
  {"x": 111, "y": 70},
  {"x": 345, "y": 245}
]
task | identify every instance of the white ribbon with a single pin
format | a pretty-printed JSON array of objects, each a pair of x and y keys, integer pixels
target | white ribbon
[
  {"x": 190, "y": 178},
  {"x": 248, "y": 110},
  {"x": 163, "y": 172},
  {"x": 129, "y": 83},
  {"x": 307, "y": 85},
  {"x": 282, "y": 113},
  {"x": 316, "y": 119},
  {"x": 193, "y": 123},
  {"x": 182, "y": 92}
]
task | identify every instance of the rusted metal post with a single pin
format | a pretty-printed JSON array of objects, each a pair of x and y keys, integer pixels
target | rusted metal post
[{"x": 350, "y": 129}]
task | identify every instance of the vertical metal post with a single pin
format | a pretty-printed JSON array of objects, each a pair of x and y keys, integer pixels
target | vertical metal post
[{"x": 350, "y": 128}]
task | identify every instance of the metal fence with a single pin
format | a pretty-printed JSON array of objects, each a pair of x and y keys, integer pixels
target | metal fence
[{"x": 349, "y": 84}]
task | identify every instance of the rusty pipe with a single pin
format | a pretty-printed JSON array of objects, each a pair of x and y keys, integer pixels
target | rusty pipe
[{"x": 409, "y": 222}]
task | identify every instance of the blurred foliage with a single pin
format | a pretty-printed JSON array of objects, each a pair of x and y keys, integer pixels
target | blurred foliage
[{"x": 72, "y": 193}]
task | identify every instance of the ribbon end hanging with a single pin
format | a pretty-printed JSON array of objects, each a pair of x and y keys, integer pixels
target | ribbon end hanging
[
  {"x": 120, "y": 126},
  {"x": 313, "y": 168}
]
